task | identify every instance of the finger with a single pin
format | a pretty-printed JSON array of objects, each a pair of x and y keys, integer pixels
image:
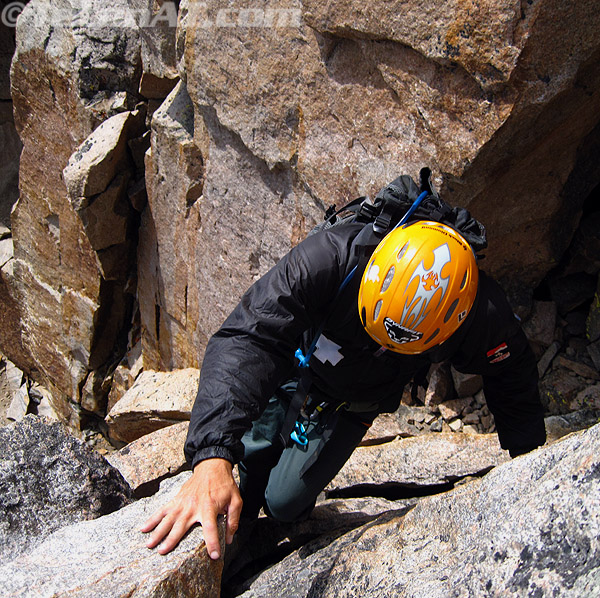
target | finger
[
  {"x": 154, "y": 520},
  {"x": 233, "y": 519},
  {"x": 211, "y": 534},
  {"x": 177, "y": 532},
  {"x": 161, "y": 531}
]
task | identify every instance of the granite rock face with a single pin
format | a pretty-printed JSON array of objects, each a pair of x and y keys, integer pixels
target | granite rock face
[
  {"x": 529, "y": 527},
  {"x": 290, "y": 110},
  {"x": 49, "y": 479},
  {"x": 107, "y": 558},
  {"x": 87, "y": 68},
  {"x": 218, "y": 217},
  {"x": 349, "y": 97}
]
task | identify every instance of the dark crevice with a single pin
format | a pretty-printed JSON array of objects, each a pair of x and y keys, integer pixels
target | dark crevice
[
  {"x": 398, "y": 491},
  {"x": 151, "y": 488},
  {"x": 390, "y": 491}
]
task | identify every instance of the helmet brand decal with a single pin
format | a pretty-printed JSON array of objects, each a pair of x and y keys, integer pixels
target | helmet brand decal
[
  {"x": 399, "y": 334},
  {"x": 431, "y": 281}
]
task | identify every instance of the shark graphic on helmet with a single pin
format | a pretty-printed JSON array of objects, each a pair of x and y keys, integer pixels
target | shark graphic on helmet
[{"x": 400, "y": 334}]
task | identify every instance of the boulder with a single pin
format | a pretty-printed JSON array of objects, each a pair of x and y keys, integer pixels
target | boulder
[
  {"x": 581, "y": 369},
  {"x": 529, "y": 527},
  {"x": 269, "y": 541},
  {"x": 546, "y": 359},
  {"x": 441, "y": 385},
  {"x": 421, "y": 461},
  {"x": 108, "y": 558},
  {"x": 156, "y": 400},
  {"x": 588, "y": 398},
  {"x": 17, "y": 389},
  {"x": 100, "y": 158},
  {"x": 145, "y": 462},
  {"x": 559, "y": 389},
  {"x": 593, "y": 350},
  {"x": 217, "y": 218},
  {"x": 170, "y": 233},
  {"x": 12, "y": 342},
  {"x": 97, "y": 178},
  {"x": 125, "y": 375},
  {"x": 539, "y": 327},
  {"x": 49, "y": 479},
  {"x": 466, "y": 385},
  {"x": 452, "y": 409},
  {"x": 558, "y": 426}
]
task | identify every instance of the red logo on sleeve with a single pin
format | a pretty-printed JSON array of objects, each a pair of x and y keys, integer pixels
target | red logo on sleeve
[{"x": 500, "y": 353}]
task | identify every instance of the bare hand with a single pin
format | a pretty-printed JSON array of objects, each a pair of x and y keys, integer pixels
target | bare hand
[{"x": 210, "y": 491}]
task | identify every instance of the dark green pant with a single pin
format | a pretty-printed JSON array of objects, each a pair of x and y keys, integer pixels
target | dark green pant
[{"x": 283, "y": 480}]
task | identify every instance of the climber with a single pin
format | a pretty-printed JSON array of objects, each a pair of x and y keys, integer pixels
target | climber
[{"x": 369, "y": 314}]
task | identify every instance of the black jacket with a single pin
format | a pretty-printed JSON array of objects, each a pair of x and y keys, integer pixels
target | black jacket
[{"x": 253, "y": 352}]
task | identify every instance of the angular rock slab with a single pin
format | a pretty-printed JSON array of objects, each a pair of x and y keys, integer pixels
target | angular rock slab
[
  {"x": 156, "y": 400},
  {"x": 151, "y": 458},
  {"x": 424, "y": 460},
  {"x": 50, "y": 479},
  {"x": 107, "y": 558},
  {"x": 529, "y": 528}
]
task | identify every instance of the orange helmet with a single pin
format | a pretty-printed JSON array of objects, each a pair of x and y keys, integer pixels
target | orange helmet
[{"x": 418, "y": 287}]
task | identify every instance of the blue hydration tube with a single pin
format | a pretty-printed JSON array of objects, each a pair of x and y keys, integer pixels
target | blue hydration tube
[{"x": 412, "y": 209}]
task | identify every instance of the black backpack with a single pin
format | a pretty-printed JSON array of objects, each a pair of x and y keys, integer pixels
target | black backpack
[{"x": 392, "y": 204}]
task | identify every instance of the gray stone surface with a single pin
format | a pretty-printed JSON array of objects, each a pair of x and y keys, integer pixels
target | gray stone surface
[
  {"x": 421, "y": 461},
  {"x": 49, "y": 479},
  {"x": 108, "y": 558},
  {"x": 531, "y": 527},
  {"x": 269, "y": 541}
]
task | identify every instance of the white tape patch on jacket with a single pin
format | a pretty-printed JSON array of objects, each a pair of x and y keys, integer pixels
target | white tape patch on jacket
[{"x": 328, "y": 351}]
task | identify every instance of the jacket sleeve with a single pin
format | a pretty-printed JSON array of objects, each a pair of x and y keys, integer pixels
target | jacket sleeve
[
  {"x": 497, "y": 348},
  {"x": 253, "y": 352}
]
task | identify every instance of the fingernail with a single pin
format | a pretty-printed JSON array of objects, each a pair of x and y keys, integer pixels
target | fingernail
[{"x": 214, "y": 555}]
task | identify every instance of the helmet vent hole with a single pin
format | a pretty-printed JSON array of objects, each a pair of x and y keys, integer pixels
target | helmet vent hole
[
  {"x": 363, "y": 316},
  {"x": 432, "y": 336},
  {"x": 387, "y": 280},
  {"x": 377, "y": 310},
  {"x": 464, "y": 281},
  {"x": 450, "y": 311},
  {"x": 402, "y": 251}
]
